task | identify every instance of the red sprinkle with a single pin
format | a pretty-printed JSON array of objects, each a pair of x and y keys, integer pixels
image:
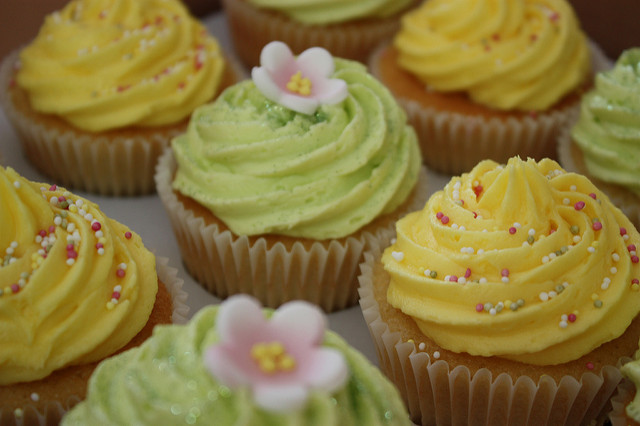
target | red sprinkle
[
  {"x": 623, "y": 231},
  {"x": 635, "y": 281},
  {"x": 69, "y": 247},
  {"x": 72, "y": 254},
  {"x": 477, "y": 190},
  {"x": 505, "y": 272},
  {"x": 15, "y": 288},
  {"x": 579, "y": 205},
  {"x": 631, "y": 247},
  {"x": 453, "y": 278},
  {"x": 439, "y": 215},
  {"x": 479, "y": 307},
  {"x": 96, "y": 226},
  {"x": 634, "y": 259},
  {"x": 115, "y": 295},
  {"x": 52, "y": 229},
  {"x": 120, "y": 272},
  {"x": 467, "y": 273},
  {"x": 99, "y": 245},
  {"x": 445, "y": 220},
  {"x": 592, "y": 195},
  {"x": 475, "y": 215},
  {"x": 596, "y": 226},
  {"x": 53, "y": 187},
  {"x": 590, "y": 365},
  {"x": 512, "y": 230},
  {"x": 127, "y": 235},
  {"x": 42, "y": 233},
  {"x": 571, "y": 317}
]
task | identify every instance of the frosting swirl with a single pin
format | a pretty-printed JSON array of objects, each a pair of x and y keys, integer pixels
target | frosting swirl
[
  {"x": 167, "y": 373},
  {"x": 523, "y": 55},
  {"x": 106, "y": 64},
  {"x": 262, "y": 168},
  {"x": 525, "y": 262},
  {"x": 75, "y": 286},
  {"x": 324, "y": 12},
  {"x": 608, "y": 130}
]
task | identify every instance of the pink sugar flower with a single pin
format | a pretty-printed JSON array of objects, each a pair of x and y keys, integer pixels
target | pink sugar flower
[
  {"x": 280, "y": 359},
  {"x": 301, "y": 83}
]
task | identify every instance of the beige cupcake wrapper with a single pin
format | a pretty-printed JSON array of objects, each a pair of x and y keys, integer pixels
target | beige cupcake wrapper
[
  {"x": 324, "y": 273},
  {"x": 454, "y": 143},
  {"x": 251, "y": 28},
  {"x": 54, "y": 411},
  {"x": 571, "y": 158},
  {"x": 437, "y": 394}
]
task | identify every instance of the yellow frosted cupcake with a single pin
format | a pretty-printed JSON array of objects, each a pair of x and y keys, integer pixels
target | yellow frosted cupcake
[
  {"x": 604, "y": 142},
  {"x": 75, "y": 288},
  {"x": 511, "y": 298},
  {"x": 105, "y": 85},
  {"x": 485, "y": 80},
  {"x": 279, "y": 186},
  {"x": 348, "y": 29}
]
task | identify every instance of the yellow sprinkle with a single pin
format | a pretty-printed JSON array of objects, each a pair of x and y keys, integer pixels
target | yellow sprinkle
[
  {"x": 73, "y": 208},
  {"x": 594, "y": 244},
  {"x": 102, "y": 240},
  {"x": 635, "y": 286},
  {"x": 110, "y": 305},
  {"x": 594, "y": 296},
  {"x": 410, "y": 341},
  {"x": 507, "y": 303}
]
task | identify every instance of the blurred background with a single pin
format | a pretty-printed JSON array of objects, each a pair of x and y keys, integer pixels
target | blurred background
[{"x": 613, "y": 24}]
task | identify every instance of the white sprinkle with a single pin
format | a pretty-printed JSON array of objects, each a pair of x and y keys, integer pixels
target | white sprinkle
[
  {"x": 543, "y": 296},
  {"x": 53, "y": 200},
  {"x": 462, "y": 280},
  {"x": 492, "y": 311},
  {"x": 436, "y": 354},
  {"x": 545, "y": 259},
  {"x": 79, "y": 203},
  {"x": 591, "y": 250},
  {"x": 457, "y": 185},
  {"x": 57, "y": 220},
  {"x": 566, "y": 201},
  {"x": 517, "y": 225},
  {"x": 35, "y": 397},
  {"x": 606, "y": 280},
  {"x": 427, "y": 272},
  {"x": 564, "y": 317},
  {"x": 531, "y": 232},
  {"x": 397, "y": 255},
  {"x": 70, "y": 261},
  {"x": 88, "y": 217},
  {"x": 565, "y": 284},
  {"x": 462, "y": 228},
  {"x": 552, "y": 294},
  {"x": 393, "y": 240},
  {"x": 118, "y": 288},
  {"x": 99, "y": 233},
  {"x": 114, "y": 301},
  {"x": 563, "y": 324},
  {"x": 604, "y": 286},
  {"x": 613, "y": 270},
  {"x": 525, "y": 244},
  {"x": 482, "y": 280},
  {"x": 552, "y": 256},
  {"x": 123, "y": 266},
  {"x": 71, "y": 227},
  {"x": 101, "y": 251},
  {"x": 576, "y": 239},
  {"x": 625, "y": 237},
  {"x": 446, "y": 277},
  {"x": 505, "y": 279},
  {"x": 615, "y": 257},
  {"x": 16, "y": 184},
  {"x": 480, "y": 251},
  {"x": 573, "y": 187},
  {"x": 632, "y": 253},
  {"x": 454, "y": 226}
]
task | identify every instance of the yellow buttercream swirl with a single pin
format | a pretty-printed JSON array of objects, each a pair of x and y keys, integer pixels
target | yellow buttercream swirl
[
  {"x": 107, "y": 64},
  {"x": 325, "y": 12},
  {"x": 75, "y": 286},
  {"x": 526, "y": 262},
  {"x": 506, "y": 54}
]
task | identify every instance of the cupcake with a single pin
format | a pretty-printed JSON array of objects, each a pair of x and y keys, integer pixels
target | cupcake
[
  {"x": 277, "y": 193},
  {"x": 511, "y": 298},
  {"x": 75, "y": 287},
  {"x": 237, "y": 364},
  {"x": 349, "y": 30},
  {"x": 483, "y": 81},
  {"x": 106, "y": 84},
  {"x": 604, "y": 143}
]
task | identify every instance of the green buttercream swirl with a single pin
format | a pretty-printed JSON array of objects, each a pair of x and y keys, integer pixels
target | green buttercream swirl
[
  {"x": 324, "y": 12},
  {"x": 631, "y": 370},
  {"x": 262, "y": 168},
  {"x": 164, "y": 381},
  {"x": 608, "y": 131}
]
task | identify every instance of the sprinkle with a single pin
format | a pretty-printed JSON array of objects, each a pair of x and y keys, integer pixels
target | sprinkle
[
  {"x": 433, "y": 274},
  {"x": 120, "y": 272},
  {"x": 397, "y": 255},
  {"x": 480, "y": 251},
  {"x": 445, "y": 220},
  {"x": 436, "y": 354},
  {"x": 421, "y": 346},
  {"x": 631, "y": 247},
  {"x": 573, "y": 188},
  {"x": 439, "y": 215},
  {"x": 597, "y": 303},
  {"x": 613, "y": 270},
  {"x": 579, "y": 205},
  {"x": 563, "y": 324},
  {"x": 512, "y": 230},
  {"x": 543, "y": 296},
  {"x": 596, "y": 226},
  {"x": 592, "y": 195},
  {"x": 467, "y": 273},
  {"x": 545, "y": 259},
  {"x": 590, "y": 365},
  {"x": 566, "y": 201},
  {"x": 634, "y": 259},
  {"x": 35, "y": 397},
  {"x": 591, "y": 249},
  {"x": 127, "y": 235},
  {"x": 615, "y": 257},
  {"x": 462, "y": 280},
  {"x": 479, "y": 307},
  {"x": 482, "y": 280}
]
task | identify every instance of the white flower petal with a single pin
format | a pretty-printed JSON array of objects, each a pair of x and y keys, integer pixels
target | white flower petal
[
  {"x": 332, "y": 91},
  {"x": 282, "y": 398},
  {"x": 221, "y": 363},
  {"x": 301, "y": 322},
  {"x": 304, "y": 105},
  {"x": 327, "y": 370},
  {"x": 240, "y": 318},
  {"x": 265, "y": 84},
  {"x": 275, "y": 55},
  {"x": 316, "y": 62}
]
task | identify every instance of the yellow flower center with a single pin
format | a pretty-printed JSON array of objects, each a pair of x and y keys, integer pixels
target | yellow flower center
[
  {"x": 299, "y": 84},
  {"x": 272, "y": 357}
]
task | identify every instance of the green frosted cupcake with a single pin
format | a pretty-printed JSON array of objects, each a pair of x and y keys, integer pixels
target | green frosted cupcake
[{"x": 237, "y": 364}]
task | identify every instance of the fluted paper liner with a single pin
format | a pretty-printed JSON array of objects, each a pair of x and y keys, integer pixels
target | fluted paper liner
[
  {"x": 321, "y": 272},
  {"x": 437, "y": 394},
  {"x": 453, "y": 142},
  {"x": 624, "y": 394},
  {"x": 571, "y": 158},
  {"x": 117, "y": 162},
  {"x": 53, "y": 411},
  {"x": 252, "y": 28}
]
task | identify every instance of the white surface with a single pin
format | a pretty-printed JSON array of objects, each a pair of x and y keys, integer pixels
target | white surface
[{"x": 146, "y": 216}]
